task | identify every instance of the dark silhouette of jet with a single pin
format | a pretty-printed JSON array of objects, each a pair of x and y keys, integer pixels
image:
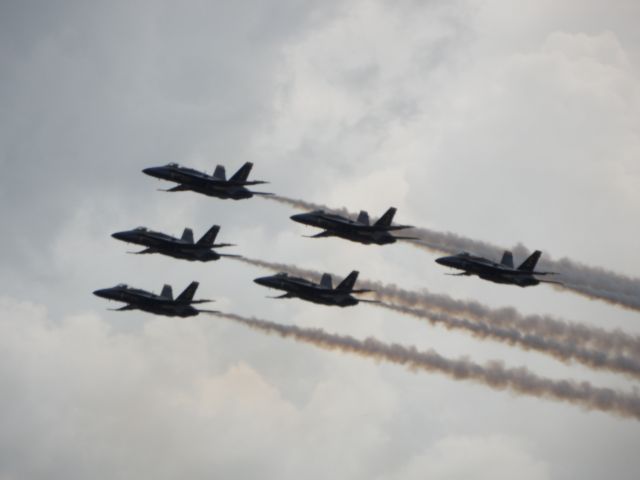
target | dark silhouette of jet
[
  {"x": 163, "y": 304},
  {"x": 503, "y": 272},
  {"x": 360, "y": 230},
  {"x": 183, "y": 247},
  {"x": 215, "y": 185},
  {"x": 322, "y": 293}
]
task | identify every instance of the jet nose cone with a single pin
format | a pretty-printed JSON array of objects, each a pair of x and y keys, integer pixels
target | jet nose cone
[
  {"x": 443, "y": 261},
  {"x": 120, "y": 235},
  {"x": 101, "y": 292},
  {"x": 264, "y": 281},
  {"x": 301, "y": 217},
  {"x": 153, "y": 171}
]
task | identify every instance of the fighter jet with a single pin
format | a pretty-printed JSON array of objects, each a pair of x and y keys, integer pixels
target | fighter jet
[
  {"x": 503, "y": 272},
  {"x": 360, "y": 230},
  {"x": 215, "y": 185},
  {"x": 163, "y": 304},
  {"x": 322, "y": 293},
  {"x": 183, "y": 247}
]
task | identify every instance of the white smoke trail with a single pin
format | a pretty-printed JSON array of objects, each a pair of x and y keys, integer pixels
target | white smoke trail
[
  {"x": 560, "y": 351},
  {"x": 613, "y": 344},
  {"x": 493, "y": 374},
  {"x": 592, "y": 282}
]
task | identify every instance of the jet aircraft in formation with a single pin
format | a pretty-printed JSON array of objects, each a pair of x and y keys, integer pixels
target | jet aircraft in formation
[
  {"x": 163, "y": 304},
  {"x": 503, "y": 272},
  {"x": 322, "y": 293},
  {"x": 183, "y": 247},
  {"x": 359, "y": 230},
  {"x": 216, "y": 185}
]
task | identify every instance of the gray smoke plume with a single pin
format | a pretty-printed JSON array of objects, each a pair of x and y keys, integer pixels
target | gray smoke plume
[
  {"x": 564, "y": 352},
  {"x": 592, "y": 282},
  {"x": 493, "y": 374},
  {"x": 614, "y": 344}
]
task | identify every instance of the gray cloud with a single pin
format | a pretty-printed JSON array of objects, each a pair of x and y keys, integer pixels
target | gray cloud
[{"x": 500, "y": 124}]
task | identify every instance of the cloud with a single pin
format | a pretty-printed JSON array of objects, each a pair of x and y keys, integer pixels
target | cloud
[
  {"x": 497, "y": 123},
  {"x": 84, "y": 400},
  {"x": 495, "y": 457}
]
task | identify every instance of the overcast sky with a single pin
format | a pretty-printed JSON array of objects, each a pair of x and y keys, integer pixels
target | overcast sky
[{"x": 507, "y": 122}]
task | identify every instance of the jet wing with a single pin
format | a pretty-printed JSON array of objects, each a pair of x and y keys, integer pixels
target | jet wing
[
  {"x": 122, "y": 309},
  {"x": 320, "y": 235}
]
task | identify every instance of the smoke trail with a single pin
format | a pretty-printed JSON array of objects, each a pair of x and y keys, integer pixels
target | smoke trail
[
  {"x": 493, "y": 374},
  {"x": 302, "y": 205},
  {"x": 613, "y": 343},
  {"x": 592, "y": 282},
  {"x": 558, "y": 350}
]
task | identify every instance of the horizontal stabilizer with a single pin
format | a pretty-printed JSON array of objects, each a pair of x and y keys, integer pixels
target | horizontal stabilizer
[
  {"x": 203, "y": 300},
  {"x": 222, "y": 245},
  {"x": 254, "y": 182},
  {"x": 361, "y": 290}
]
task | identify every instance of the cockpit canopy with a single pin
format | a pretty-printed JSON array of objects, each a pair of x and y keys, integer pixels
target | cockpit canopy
[
  {"x": 122, "y": 285},
  {"x": 140, "y": 229},
  {"x": 281, "y": 274},
  {"x": 172, "y": 164}
]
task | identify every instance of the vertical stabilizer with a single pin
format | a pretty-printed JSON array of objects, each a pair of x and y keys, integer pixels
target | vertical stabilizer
[
  {"x": 507, "y": 259},
  {"x": 348, "y": 283},
  {"x": 219, "y": 173},
  {"x": 189, "y": 292},
  {"x": 326, "y": 281},
  {"x": 242, "y": 174},
  {"x": 209, "y": 237},
  {"x": 386, "y": 219},
  {"x": 187, "y": 235},
  {"x": 530, "y": 263},
  {"x": 167, "y": 292},
  {"x": 363, "y": 217}
]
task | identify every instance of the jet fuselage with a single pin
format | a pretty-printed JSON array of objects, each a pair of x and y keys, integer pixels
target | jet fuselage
[
  {"x": 139, "y": 299},
  {"x": 489, "y": 270},
  {"x": 342, "y": 227},
  {"x": 157, "y": 242},
  {"x": 200, "y": 182},
  {"x": 306, "y": 290}
]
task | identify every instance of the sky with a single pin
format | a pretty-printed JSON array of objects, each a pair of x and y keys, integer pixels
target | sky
[{"x": 509, "y": 123}]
